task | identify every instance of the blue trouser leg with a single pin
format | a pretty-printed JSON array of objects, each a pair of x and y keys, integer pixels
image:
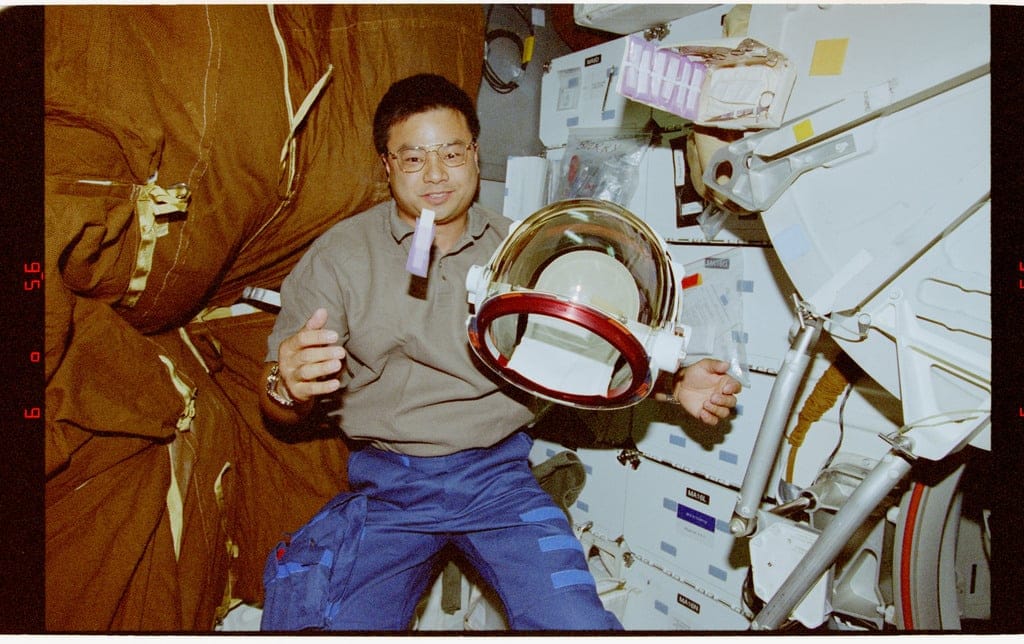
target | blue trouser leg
[
  {"x": 396, "y": 561},
  {"x": 488, "y": 503},
  {"x": 539, "y": 570},
  {"x": 395, "y": 569}
]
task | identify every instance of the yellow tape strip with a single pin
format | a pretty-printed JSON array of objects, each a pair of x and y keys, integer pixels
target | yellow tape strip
[
  {"x": 528, "y": 49},
  {"x": 829, "y": 57},
  {"x": 803, "y": 130}
]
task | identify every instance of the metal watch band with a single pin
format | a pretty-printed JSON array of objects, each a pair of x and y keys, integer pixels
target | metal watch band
[{"x": 272, "y": 379}]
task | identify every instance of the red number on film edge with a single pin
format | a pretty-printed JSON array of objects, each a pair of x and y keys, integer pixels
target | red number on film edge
[{"x": 32, "y": 268}]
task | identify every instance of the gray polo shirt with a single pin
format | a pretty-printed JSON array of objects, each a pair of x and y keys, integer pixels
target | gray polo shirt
[{"x": 411, "y": 382}]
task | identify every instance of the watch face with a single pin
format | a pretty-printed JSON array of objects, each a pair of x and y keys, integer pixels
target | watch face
[
  {"x": 272, "y": 379},
  {"x": 572, "y": 301}
]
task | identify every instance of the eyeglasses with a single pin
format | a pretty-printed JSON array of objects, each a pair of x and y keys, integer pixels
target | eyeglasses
[{"x": 452, "y": 154}]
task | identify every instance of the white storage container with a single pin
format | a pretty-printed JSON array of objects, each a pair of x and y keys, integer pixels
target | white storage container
[
  {"x": 658, "y": 602},
  {"x": 681, "y": 522}
]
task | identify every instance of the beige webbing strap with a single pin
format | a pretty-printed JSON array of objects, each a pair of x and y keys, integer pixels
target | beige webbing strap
[
  {"x": 188, "y": 395},
  {"x": 175, "y": 500},
  {"x": 187, "y": 339},
  {"x": 295, "y": 121},
  {"x": 286, "y": 174},
  {"x": 295, "y": 117},
  {"x": 151, "y": 201},
  {"x": 228, "y": 601},
  {"x": 181, "y": 470}
]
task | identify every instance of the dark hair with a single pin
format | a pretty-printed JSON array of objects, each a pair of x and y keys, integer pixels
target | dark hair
[{"x": 418, "y": 94}]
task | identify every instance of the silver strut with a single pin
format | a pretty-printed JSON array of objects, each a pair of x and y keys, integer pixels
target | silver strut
[
  {"x": 773, "y": 424},
  {"x": 871, "y": 491}
]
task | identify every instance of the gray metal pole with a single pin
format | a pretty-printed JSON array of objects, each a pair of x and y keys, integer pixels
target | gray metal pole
[
  {"x": 875, "y": 486},
  {"x": 773, "y": 426}
]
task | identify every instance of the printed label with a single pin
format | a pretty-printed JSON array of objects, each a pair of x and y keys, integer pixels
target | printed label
[
  {"x": 568, "y": 89},
  {"x": 716, "y": 262},
  {"x": 698, "y": 496},
  {"x": 689, "y": 603},
  {"x": 696, "y": 517},
  {"x": 592, "y": 60}
]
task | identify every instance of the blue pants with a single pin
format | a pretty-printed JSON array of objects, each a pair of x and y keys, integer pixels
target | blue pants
[{"x": 487, "y": 503}]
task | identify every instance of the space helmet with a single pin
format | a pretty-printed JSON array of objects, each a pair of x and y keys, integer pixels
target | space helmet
[{"x": 579, "y": 305}]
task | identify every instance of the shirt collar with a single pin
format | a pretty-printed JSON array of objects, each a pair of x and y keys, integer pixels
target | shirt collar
[
  {"x": 399, "y": 229},
  {"x": 476, "y": 224}
]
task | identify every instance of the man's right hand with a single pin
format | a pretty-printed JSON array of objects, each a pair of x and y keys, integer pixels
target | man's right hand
[{"x": 307, "y": 359}]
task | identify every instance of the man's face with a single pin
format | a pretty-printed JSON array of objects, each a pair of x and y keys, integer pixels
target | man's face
[{"x": 447, "y": 191}]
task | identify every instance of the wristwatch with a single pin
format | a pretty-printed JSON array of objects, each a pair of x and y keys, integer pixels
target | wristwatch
[{"x": 272, "y": 379}]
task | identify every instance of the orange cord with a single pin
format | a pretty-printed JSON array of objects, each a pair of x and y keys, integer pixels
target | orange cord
[{"x": 824, "y": 395}]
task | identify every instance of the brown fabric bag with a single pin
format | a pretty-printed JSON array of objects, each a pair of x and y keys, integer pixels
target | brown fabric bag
[{"x": 138, "y": 99}]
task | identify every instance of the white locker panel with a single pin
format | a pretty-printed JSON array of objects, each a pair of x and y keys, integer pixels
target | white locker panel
[
  {"x": 681, "y": 522},
  {"x": 767, "y": 299},
  {"x": 658, "y": 602},
  {"x": 722, "y": 453},
  {"x": 578, "y": 90},
  {"x": 603, "y": 499},
  {"x": 526, "y": 186},
  {"x": 842, "y": 48},
  {"x": 666, "y": 433},
  {"x": 654, "y": 201}
]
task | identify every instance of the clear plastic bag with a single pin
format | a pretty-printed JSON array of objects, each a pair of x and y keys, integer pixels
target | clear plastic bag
[
  {"x": 711, "y": 220},
  {"x": 601, "y": 164},
  {"x": 713, "y": 309}
]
